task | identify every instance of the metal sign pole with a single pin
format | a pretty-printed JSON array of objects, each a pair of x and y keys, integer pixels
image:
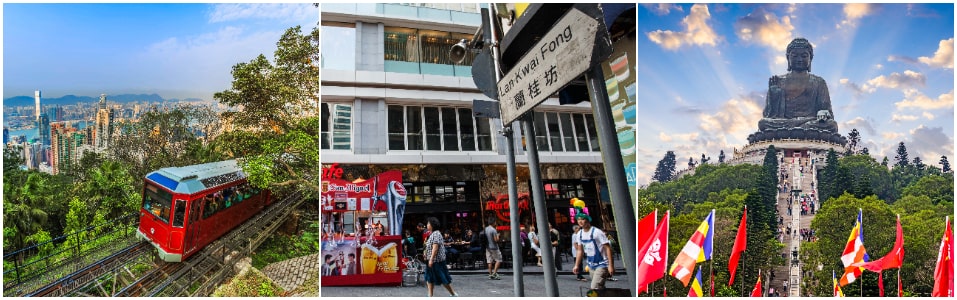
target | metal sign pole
[
  {"x": 615, "y": 174},
  {"x": 517, "y": 273},
  {"x": 538, "y": 191}
]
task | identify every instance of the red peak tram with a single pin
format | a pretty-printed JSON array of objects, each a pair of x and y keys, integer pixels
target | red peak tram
[{"x": 186, "y": 208}]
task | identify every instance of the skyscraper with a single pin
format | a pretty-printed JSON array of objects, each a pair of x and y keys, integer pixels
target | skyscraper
[
  {"x": 6, "y": 135},
  {"x": 36, "y": 97},
  {"x": 104, "y": 124},
  {"x": 43, "y": 129}
]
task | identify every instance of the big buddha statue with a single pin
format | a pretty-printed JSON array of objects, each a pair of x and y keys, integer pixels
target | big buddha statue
[{"x": 798, "y": 105}]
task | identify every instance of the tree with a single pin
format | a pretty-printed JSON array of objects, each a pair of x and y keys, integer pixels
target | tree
[
  {"x": 828, "y": 177},
  {"x": 865, "y": 151},
  {"x": 721, "y": 157},
  {"x": 937, "y": 188},
  {"x": 277, "y": 116},
  {"x": 944, "y": 164},
  {"x": 853, "y": 139},
  {"x": 884, "y": 162},
  {"x": 666, "y": 168},
  {"x": 901, "y": 157},
  {"x": 919, "y": 166}
]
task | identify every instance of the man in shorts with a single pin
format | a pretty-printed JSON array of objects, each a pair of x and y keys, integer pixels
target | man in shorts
[
  {"x": 595, "y": 248},
  {"x": 492, "y": 252}
]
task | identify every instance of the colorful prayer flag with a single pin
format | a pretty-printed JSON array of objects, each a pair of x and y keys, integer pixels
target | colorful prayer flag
[
  {"x": 698, "y": 249},
  {"x": 854, "y": 252},
  {"x": 696, "y": 290},
  {"x": 837, "y": 287}
]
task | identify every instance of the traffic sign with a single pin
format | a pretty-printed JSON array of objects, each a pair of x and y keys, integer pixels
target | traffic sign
[{"x": 560, "y": 56}]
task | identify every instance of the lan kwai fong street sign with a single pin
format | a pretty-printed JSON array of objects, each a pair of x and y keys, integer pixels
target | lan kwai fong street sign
[{"x": 563, "y": 54}]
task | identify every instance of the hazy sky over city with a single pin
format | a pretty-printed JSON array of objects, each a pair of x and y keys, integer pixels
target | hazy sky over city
[
  {"x": 175, "y": 50},
  {"x": 703, "y": 74}
]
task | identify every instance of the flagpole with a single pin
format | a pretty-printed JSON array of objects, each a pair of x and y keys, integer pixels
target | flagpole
[
  {"x": 899, "y": 289},
  {"x": 860, "y": 234}
]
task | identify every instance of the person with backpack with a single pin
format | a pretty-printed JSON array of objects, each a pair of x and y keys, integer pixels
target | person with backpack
[
  {"x": 492, "y": 252},
  {"x": 595, "y": 248},
  {"x": 575, "y": 243}
]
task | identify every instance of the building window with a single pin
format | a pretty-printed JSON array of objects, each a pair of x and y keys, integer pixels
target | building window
[
  {"x": 437, "y": 129},
  {"x": 339, "y": 46},
  {"x": 442, "y": 192},
  {"x": 424, "y": 51},
  {"x": 336, "y": 128},
  {"x": 565, "y": 132}
]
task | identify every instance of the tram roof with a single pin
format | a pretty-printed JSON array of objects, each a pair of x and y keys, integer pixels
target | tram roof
[{"x": 195, "y": 178}]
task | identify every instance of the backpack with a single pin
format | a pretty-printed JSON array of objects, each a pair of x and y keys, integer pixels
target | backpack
[{"x": 483, "y": 240}]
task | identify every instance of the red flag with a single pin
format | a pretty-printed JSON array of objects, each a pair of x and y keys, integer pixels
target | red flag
[
  {"x": 712, "y": 283},
  {"x": 740, "y": 244},
  {"x": 893, "y": 259},
  {"x": 646, "y": 226},
  {"x": 653, "y": 256},
  {"x": 944, "y": 272},
  {"x": 880, "y": 282},
  {"x": 756, "y": 292}
]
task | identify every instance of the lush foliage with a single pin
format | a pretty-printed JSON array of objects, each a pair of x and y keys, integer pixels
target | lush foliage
[
  {"x": 922, "y": 223},
  {"x": 726, "y": 189},
  {"x": 277, "y": 114}
]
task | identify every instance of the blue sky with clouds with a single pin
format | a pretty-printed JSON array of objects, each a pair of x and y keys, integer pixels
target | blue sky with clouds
[
  {"x": 175, "y": 50},
  {"x": 703, "y": 74}
]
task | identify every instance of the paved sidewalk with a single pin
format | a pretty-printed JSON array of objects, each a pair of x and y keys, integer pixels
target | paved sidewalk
[
  {"x": 475, "y": 283},
  {"x": 290, "y": 274}
]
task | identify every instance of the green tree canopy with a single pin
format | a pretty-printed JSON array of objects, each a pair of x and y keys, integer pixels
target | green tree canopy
[{"x": 276, "y": 114}]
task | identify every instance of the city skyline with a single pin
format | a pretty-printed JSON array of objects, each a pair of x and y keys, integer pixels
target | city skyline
[
  {"x": 174, "y": 50},
  {"x": 889, "y": 70}
]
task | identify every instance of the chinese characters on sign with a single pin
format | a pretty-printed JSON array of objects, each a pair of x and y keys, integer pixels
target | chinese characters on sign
[{"x": 563, "y": 54}]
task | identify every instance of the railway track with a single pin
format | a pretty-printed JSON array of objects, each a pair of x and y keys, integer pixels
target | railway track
[{"x": 121, "y": 274}]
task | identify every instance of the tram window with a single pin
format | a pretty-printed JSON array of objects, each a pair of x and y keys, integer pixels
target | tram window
[
  {"x": 157, "y": 202},
  {"x": 179, "y": 214},
  {"x": 211, "y": 206}
]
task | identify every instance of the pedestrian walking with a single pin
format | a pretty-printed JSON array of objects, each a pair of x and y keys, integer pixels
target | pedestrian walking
[
  {"x": 576, "y": 242},
  {"x": 555, "y": 236},
  {"x": 595, "y": 248},
  {"x": 533, "y": 237},
  {"x": 437, "y": 271},
  {"x": 493, "y": 255}
]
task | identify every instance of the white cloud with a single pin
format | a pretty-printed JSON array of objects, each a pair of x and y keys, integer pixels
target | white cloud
[
  {"x": 892, "y": 137},
  {"x": 916, "y": 99},
  {"x": 697, "y": 31},
  {"x": 879, "y": 66},
  {"x": 929, "y": 144},
  {"x": 664, "y": 137},
  {"x": 736, "y": 117},
  {"x": 764, "y": 28},
  {"x": 943, "y": 57},
  {"x": 909, "y": 79},
  {"x": 858, "y": 89},
  {"x": 928, "y": 115},
  {"x": 854, "y": 12},
  {"x": 861, "y": 124},
  {"x": 286, "y": 12},
  {"x": 899, "y": 118},
  {"x": 662, "y": 9}
]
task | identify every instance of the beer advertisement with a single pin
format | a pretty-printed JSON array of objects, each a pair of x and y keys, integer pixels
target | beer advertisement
[{"x": 361, "y": 222}]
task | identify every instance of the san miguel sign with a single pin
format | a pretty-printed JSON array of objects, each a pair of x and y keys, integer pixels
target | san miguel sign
[{"x": 501, "y": 207}]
